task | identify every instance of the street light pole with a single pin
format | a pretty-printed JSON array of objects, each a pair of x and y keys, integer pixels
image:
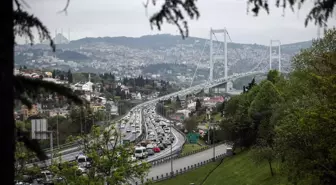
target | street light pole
[
  {"x": 57, "y": 136},
  {"x": 171, "y": 153},
  {"x": 213, "y": 143}
]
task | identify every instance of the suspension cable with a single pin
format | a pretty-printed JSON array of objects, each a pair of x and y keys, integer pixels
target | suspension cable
[{"x": 192, "y": 80}]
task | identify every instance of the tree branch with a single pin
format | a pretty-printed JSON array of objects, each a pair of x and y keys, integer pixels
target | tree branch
[{"x": 65, "y": 9}]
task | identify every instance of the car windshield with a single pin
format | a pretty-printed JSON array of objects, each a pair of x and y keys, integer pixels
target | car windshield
[
  {"x": 138, "y": 151},
  {"x": 80, "y": 160}
]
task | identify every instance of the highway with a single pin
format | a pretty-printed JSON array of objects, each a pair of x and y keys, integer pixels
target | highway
[{"x": 71, "y": 156}]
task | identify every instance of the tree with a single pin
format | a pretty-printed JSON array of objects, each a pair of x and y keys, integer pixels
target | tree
[
  {"x": 70, "y": 80},
  {"x": 178, "y": 102},
  {"x": 190, "y": 124},
  {"x": 306, "y": 119},
  {"x": 111, "y": 163},
  {"x": 249, "y": 86},
  {"x": 198, "y": 105},
  {"x": 273, "y": 76},
  {"x": 53, "y": 74},
  {"x": 263, "y": 105},
  {"x": 320, "y": 13}
]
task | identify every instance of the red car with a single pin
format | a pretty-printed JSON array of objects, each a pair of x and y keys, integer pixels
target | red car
[{"x": 156, "y": 149}]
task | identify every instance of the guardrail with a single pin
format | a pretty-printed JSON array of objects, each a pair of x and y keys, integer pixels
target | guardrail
[
  {"x": 178, "y": 154},
  {"x": 166, "y": 176}
]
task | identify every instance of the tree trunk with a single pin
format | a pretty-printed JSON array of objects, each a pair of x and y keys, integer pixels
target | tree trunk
[
  {"x": 270, "y": 166},
  {"x": 7, "y": 128}
]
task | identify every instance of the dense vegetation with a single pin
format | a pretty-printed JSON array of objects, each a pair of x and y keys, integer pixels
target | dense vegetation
[{"x": 291, "y": 120}]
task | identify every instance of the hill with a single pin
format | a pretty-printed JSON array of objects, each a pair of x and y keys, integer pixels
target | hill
[
  {"x": 167, "y": 40},
  {"x": 236, "y": 170}
]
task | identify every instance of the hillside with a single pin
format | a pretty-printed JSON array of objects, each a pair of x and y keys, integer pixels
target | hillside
[
  {"x": 143, "y": 55},
  {"x": 236, "y": 170}
]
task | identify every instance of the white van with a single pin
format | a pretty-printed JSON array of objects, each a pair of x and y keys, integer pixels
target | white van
[
  {"x": 84, "y": 161},
  {"x": 141, "y": 152}
]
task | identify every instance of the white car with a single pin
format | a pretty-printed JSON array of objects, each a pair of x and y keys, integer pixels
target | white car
[
  {"x": 122, "y": 126},
  {"x": 128, "y": 130}
]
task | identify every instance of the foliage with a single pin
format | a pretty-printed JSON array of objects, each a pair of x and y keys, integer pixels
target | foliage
[
  {"x": 320, "y": 13},
  {"x": 111, "y": 163},
  {"x": 26, "y": 88},
  {"x": 198, "y": 105},
  {"x": 291, "y": 120},
  {"x": 249, "y": 86},
  {"x": 22, "y": 157},
  {"x": 190, "y": 124},
  {"x": 172, "y": 12}
]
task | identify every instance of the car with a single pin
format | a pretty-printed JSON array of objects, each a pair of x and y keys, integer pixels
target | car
[
  {"x": 150, "y": 151},
  {"x": 161, "y": 146},
  {"x": 128, "y": 130},
  {"x": 156, "y": 149},
  {"x": 122, "y": 126},
  {"x": 167, "y": 142}
]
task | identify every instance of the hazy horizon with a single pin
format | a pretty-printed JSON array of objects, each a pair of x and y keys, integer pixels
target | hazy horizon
[{"x": 113, "y": 18}]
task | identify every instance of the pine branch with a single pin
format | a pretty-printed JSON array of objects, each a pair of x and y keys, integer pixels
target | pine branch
[
  {"x": 171, "y": 12},
  {"x": 25, "y": 22},
  {"x": 30, "y": 144},
  {"x": 24, "y": 86}
]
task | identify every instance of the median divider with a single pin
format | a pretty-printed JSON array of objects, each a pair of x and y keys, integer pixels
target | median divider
[
  {"x": 169, "y": 175},
  {"x": 178, "y": 154}
]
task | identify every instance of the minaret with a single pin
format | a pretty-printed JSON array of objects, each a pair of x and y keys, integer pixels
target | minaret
[
  {"x": 89, "y": 77},
  {"x": 69, "y": 34}
]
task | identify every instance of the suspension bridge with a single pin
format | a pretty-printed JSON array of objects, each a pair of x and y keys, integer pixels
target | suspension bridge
[{"x": 211, "y": 83}]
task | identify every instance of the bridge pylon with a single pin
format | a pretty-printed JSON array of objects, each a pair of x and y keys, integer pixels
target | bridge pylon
[
  {"x": 276, "y": 55},
  {"x": 214, "y": 54}
]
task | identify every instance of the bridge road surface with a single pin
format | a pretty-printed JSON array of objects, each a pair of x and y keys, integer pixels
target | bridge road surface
[{"x": 185, "y": 161}]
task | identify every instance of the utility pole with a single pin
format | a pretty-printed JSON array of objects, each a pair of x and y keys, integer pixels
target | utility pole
[
  {"x": 171, "y": 153},
  {"x": 213, "y": 143},
  {"x": 57, "y": 130}
]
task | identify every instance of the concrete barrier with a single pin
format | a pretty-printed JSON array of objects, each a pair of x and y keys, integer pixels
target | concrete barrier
[{"x": 185, "y": 169}]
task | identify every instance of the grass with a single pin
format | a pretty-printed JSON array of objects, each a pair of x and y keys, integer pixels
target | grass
[
  {"x": 236, "y": 170},
  {"x": 217, "y": 117},
  {"x": 190, "y": 147}
]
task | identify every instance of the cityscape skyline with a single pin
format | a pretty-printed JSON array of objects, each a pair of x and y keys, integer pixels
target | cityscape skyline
[{"x": 119, "y": 18}]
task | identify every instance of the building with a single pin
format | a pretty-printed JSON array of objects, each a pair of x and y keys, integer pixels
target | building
[
  {"x": 96, "y": 108},
  {"x": 138, "y": 96},
  {"x": 26, "y": 113},
  {"x": 88, "y": 86},
  {"x": 211, "y": 102},
  {"x": 111, "y": 107}
]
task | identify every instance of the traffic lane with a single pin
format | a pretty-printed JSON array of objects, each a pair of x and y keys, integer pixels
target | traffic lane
[
  {"x": 186, "y": 161},
  {"x": 177, "y": 144},
  {"x": 128, "y": 126}
]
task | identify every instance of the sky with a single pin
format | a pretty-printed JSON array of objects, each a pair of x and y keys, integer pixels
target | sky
[{"x": 100, "y": 18}]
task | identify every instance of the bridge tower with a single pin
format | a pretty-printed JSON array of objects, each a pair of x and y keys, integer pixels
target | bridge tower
[
  {"x": 214, "y": 55},
  {"x": 276, "y": 55}
]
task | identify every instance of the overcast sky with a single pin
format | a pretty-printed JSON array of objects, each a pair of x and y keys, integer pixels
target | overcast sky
[{"x": 99, "y": 18}]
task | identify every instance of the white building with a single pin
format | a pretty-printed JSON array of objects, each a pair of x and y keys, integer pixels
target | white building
[
  {"x": 88, "y": 85},
  {"x": 138, "y": 96},
  {"x": 192, "y": 106},
  {"x": 185, "y": 112}
]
